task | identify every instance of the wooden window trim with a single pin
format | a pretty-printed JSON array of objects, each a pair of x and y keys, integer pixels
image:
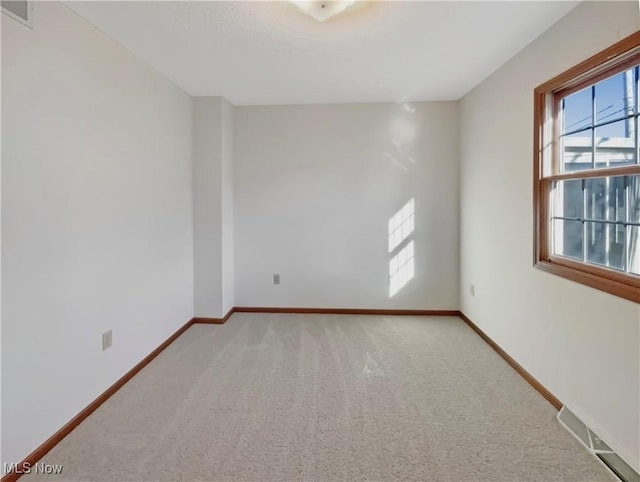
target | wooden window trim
[{"x": 609, "y": 62}]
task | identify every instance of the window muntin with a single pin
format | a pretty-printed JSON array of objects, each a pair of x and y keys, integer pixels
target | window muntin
[{"x": 587, "y": 172}]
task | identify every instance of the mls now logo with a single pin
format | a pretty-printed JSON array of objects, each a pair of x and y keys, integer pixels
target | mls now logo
[{"x": 29, "y": 468}]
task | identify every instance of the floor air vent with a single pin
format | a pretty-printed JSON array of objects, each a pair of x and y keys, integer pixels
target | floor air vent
[{"x": 597, "y": 447}]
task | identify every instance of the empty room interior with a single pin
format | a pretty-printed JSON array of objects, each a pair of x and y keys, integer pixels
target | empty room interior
[{"x": 320, "y": 240}]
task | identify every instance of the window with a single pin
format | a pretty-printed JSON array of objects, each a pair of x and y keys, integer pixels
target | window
[{"x": 587, "y": 172}]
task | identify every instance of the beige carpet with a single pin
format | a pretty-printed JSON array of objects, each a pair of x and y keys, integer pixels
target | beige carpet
[{"x": 317, "y": 397}]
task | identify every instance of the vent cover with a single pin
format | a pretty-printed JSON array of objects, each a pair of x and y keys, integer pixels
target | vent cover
[
  {"x": 596, "y": 446},
  {"x": 20, "y": 10}
]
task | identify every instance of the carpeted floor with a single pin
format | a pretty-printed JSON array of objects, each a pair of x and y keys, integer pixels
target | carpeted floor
[{"x": 319, "y": 397}]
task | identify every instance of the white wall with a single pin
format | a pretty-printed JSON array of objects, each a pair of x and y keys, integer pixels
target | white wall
[
  {"x": 97, "y": 228},
  {"x": 582, "y": 344},
  {"x": 228, "y": 298},
  {"x": 213, "y": 209},
  {"x": 314, "y": 188},
  {"x": 207, "y": 237}
]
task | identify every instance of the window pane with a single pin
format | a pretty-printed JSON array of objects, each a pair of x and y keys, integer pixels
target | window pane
[
  {"x": 637, "y": 151},
  {"x": 636, "y": 78},
  {"x": 595, "y": 243},
  {"x": 568, "y": 203},
  {"x": 577, "y": 152},
  {"x": 617, "y": 198},
  {"x": 569, "y": 198},
  {"x": 596, "y": 198},
  {"x": 618, "y": 129},
  {"x": 568, "y": 238},
  {"x": 576, "y": 110},
  {"x": 602, "y": 247},
  {"x": 634, "y": 261},
  {"x": 615, "y": 97},
  {"x": 606, "y": 198},
  {"x": 634, "y": 231},
  {"x": 615, "y": 144}
]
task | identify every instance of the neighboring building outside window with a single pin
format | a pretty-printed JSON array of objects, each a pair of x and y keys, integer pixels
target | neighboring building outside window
[{"x": 587, "y": 172}]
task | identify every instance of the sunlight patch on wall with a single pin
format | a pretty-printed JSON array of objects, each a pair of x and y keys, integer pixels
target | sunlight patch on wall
[
  {"x": 401, "y": 225},
  {"x": 401, "y": 269},
  {"x": 401, "y": 247}
]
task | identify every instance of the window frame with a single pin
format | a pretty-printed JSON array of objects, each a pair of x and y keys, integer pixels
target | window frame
[{"x": 617, "y": 58}]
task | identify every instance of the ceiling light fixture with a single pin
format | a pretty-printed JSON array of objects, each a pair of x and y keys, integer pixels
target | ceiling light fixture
[{"x": 322, "y": 10}]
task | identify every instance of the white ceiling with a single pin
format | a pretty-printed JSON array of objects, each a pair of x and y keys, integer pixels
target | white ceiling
[{"x": 271, "y": 53}]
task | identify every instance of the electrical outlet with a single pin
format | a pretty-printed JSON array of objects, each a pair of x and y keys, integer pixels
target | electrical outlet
[
  {"x": 107, "y": 340},
  {"x": 276, "y": 279},
  {"x": 472, "y": 289}
]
